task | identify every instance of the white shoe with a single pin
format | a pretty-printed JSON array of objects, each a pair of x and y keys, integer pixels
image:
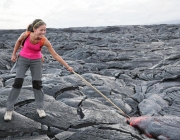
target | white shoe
[
  {"x": 41, "y": 113},
  {"x": 8, "y": 115}
]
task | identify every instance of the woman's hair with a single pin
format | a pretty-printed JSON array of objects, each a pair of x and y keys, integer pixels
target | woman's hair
[{"x": 36, "y": 23}]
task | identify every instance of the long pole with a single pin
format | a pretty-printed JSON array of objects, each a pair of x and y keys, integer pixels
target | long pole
[{"x": 101, "y": 94}]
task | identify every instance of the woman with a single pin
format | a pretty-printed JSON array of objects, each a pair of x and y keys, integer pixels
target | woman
[{"x": 30, "y": 57}]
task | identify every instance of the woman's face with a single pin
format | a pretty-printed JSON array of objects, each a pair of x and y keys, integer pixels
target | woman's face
[{"x": 40, "y": 31}]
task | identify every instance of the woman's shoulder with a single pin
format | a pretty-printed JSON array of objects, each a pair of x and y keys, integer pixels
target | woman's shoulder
[
  {"x": 22, "y": 36},
  {"x": 46, "y": 41},
  {"x": 44, "y": 38},
  {"x": 25, "y": 34}
]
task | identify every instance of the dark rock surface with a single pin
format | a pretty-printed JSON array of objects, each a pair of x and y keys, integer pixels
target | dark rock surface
[{"x": 137, "y": 67}]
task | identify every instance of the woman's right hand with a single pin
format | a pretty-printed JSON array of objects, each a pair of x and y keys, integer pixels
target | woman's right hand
[
  {"x": 70, "y": 69},
  {"x": 14, "y": 57}
]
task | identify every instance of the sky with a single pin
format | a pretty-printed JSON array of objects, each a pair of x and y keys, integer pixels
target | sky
[{"x": 18, "y": 14}]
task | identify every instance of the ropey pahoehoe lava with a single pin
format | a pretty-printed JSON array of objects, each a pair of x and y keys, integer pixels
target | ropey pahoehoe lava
[{"x": 136, "y": 67}]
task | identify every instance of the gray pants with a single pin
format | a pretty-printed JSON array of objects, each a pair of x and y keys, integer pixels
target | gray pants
[{"x": 36, "y": 72}]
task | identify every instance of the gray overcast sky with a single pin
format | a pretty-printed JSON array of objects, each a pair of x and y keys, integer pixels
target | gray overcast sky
[{"x": 17, "y": 14}]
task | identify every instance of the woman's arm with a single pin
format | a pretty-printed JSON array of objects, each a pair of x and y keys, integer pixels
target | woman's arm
[
  {"x": 17, "y": 45},
  {"x": 56, "y": 56}
]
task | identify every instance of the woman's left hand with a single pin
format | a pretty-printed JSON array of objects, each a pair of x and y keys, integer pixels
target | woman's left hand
[{"x": 70, "y": 69}]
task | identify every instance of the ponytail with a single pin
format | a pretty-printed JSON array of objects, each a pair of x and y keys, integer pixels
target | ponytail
[{"x": 30, "y": 28}]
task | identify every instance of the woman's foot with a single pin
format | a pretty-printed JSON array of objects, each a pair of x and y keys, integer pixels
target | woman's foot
[
  {"x": 8, "y": 115},
  {"x": 41, "y": 113}
]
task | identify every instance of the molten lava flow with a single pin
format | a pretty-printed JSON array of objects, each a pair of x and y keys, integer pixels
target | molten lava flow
[
  {"x": 160, "y": 127},
  {"x": 135, "y": 120}
]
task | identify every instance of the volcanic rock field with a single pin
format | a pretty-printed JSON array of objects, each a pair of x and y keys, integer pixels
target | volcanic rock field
[{"x": 137, "y": 67}]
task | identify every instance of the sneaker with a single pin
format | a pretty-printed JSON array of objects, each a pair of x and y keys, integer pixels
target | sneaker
[
  {"x": 41, "y": 113},
  {"x": 8, "y": 115}
]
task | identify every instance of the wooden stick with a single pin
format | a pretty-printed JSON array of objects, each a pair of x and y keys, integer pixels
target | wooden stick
[{"x": 101, "y": 94}]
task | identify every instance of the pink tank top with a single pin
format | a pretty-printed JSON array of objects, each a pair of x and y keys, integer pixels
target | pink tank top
[{"x": 31, "y": 51}]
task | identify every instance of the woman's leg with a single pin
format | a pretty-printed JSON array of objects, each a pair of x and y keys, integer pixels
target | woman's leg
[
  {"x": 36, "y": 72},
  {"x": 22, "y": 67}
]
